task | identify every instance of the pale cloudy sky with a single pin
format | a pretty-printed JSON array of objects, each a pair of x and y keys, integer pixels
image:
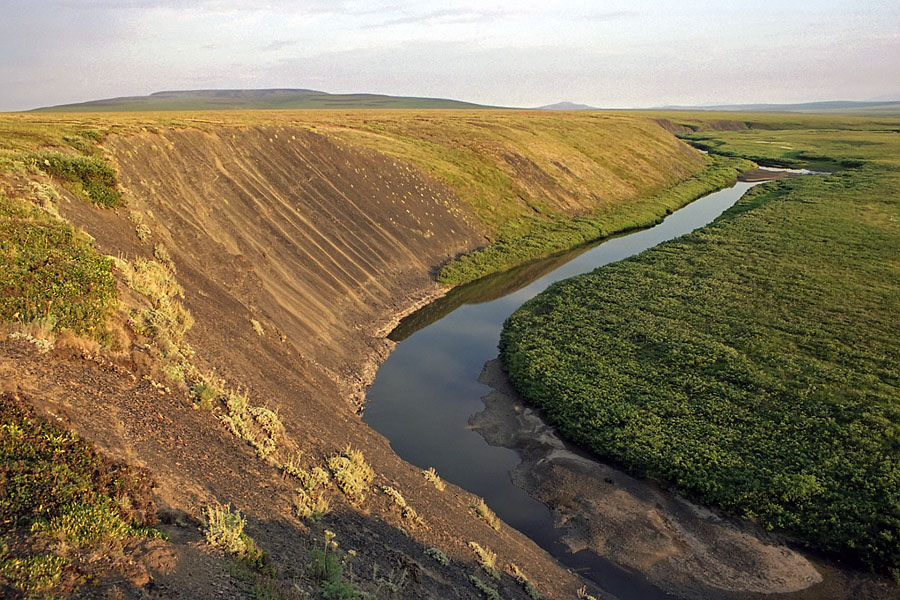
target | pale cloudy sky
[{"x": 611, "y": 53}]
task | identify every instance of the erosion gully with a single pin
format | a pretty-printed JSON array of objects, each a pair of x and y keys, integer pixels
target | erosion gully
[{"x": 426, "y": 391}]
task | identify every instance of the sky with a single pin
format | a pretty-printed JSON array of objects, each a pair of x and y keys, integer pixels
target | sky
[{"x": 609, "y": 53}]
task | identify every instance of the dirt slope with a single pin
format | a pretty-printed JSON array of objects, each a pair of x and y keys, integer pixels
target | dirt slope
[{"x": 324, "y": 243}]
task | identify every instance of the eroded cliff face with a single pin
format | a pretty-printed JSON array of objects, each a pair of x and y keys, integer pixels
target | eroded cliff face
[
  {"x": 297, "y": 252},
  {"x": 320, "y": 242}
]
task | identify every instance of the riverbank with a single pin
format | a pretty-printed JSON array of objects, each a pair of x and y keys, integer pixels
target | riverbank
[
  {"x": 691, "y": 551},
  {"x": 711, "y": 363}
]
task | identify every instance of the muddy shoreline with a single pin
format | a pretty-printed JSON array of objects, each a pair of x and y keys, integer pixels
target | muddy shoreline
[{"x": 681, "y": 547}]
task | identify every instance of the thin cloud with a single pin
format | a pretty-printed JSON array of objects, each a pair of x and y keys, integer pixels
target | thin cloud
[
  {"x": 277, "y": 45},
  {"x": 449, "y": 16},
  {"x": 611, "y": 16}
]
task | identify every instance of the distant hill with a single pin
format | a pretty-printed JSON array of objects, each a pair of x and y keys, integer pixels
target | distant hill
[
  {"x": 254, "y": 99},
  {"x": 843, "y": 106},
  {"x": 567, "y": 106}
]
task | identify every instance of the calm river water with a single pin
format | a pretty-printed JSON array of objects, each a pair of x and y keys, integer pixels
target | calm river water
[{"x": 425, "y": 393}]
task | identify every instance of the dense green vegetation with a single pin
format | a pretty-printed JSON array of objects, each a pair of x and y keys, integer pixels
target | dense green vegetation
[
  {"x": 754, "y": 363},
  {"x": 52, "y": 273},
  {"x": 60, "y": 502},
  {"x": 83, "y": 175},
  {"x": 529, "y": 238}
]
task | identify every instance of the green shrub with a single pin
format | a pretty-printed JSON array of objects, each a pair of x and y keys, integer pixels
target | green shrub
[
  {"x": 32, "y": 576},
  {"x": 85, "y": 176},
  {"x": 225, "y": 529},
  {"x": 48, "y": 270},
  {"x": 352, "y": 474},
  {"x": 489, "y": 592},
  {"x": 438, "y": 555}
]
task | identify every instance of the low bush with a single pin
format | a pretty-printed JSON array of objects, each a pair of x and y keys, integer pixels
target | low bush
[{"x": 85, "y": 176}]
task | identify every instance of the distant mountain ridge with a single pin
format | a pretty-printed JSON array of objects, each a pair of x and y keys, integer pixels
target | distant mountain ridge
[
  {"x": 891, "y": 107},
  {"x": 256, "y": 99},
  {"x": 567, "y": 106}
]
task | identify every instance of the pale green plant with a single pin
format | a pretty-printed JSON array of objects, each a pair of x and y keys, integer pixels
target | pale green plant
[
  {"x": 486, "y": 558},
  {"x": 432, "y": 477}
]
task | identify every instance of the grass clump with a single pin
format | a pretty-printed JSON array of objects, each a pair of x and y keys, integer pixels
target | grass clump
[
  {"x": 522, "y": 580},
  {"x": 751, "y": 363},
  {"x": 257, "y": 425},
  {"x": 582, "y": 594},
  {"x": 488, "y": 592},
  {"x": 438, "y": 555},
  {"x": 85, "y": 176},
  {"x": 352, "y": 474},
  {"x": 224, "y": 529},
  {"x": 33, "y": 575},
  {"x": 434, "y": 479},
  {"x": 167, "y": 321},
  {"x": 483, "y": 511},
  {"x": 310, "y": 502},
  {"x": 399, "y": 501},
  {"x": 51, "y": 272},
  {"x": 487, "y": 559}
]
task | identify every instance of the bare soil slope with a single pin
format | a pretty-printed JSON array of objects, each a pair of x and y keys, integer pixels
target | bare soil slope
[{"x": 298, "y": 251}]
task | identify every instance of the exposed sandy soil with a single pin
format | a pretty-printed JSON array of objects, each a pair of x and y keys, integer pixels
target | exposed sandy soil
[{"x": 681, "y": 547}]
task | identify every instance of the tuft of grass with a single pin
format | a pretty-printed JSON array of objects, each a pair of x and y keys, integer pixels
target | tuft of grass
[
  {"x": 487, "y": 559},
  {"x": 406, "y": 510},
  {"x": 257, "y": 327},
  {"x": 583, "y": 594},
  {"x": 488, "y": 592},
  {"x": 309, "y": 503},
  {"x": 352, "y": 474},
  {"x": 439, "y": 556},
  {"x": 483, "y": 511},
  {"x": 51, "y": 272},
  {"x": 141, "y": 229},
  {"x": 167, "y": 321},
  {"x": 522, "y": 580},
  {"x": 432, "y": 477},
  {"x": 85, "y": 176},
  {"x": 257, "y": 425},
  {"x": 224, "y": 529}
]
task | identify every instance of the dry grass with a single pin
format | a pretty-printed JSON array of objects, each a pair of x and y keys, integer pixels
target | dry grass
[
  {"x": 487, "y": 559},
  {"x": 486, "y": 514},
  {"x": 432, "y": 477}
]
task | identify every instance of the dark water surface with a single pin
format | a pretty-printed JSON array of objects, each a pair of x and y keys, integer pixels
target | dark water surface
[{"x": 428, "y": 388}]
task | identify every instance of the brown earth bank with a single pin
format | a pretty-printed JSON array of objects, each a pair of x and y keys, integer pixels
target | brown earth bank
[
  {"x": 683, "y": 548},
  {"x": 298, "y": 252}
]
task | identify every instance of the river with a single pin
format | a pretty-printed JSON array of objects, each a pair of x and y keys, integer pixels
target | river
[{"x": 427, "y": 390}]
